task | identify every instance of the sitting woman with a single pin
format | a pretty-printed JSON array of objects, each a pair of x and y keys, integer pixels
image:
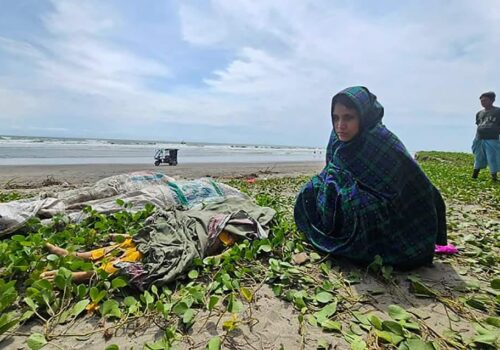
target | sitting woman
[{"x": 371, "y": 198}]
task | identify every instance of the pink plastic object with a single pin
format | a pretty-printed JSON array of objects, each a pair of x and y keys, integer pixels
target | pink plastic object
[{"x": 445, "y": 249}]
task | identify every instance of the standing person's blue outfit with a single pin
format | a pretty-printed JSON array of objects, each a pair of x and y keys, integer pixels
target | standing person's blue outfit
[
  {"x": 371, "y": 198},
  {"x": 486, "y": 144}
]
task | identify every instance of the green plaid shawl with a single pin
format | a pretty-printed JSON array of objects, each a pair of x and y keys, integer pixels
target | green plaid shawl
[{"x": 372, "y": 198}]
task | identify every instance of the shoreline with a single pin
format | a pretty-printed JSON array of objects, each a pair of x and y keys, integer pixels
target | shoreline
[{"x": 35, "y": 176}]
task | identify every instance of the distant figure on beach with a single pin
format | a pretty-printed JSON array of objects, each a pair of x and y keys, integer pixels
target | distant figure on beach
[
  {"x": 371, "y": 198},
  {"x": 486, "y": 144}
]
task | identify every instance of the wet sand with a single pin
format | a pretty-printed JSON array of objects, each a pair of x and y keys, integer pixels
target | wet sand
[{"x": 32, "y": 176}]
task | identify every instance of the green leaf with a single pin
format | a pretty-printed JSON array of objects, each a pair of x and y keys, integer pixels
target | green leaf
[
  {"x": 154, "y": 290},
  {"x": 398, "y": 313},
  {"x": 324, "y": 297},
  {"x": 111, "y": 308},
  {"x": 494, "y": 321},
  {"x": 96, "y": 295},
  {"x": 299, "y": 302},
  {"x": 420, "y": 289},
  {"x": 315, "y": 256},
  {"x": 489, "y": 338},
  {"x": 495, "y": 283},
  {"x": 112, "y": 347},
  {"x": 212, "y": 302},
  {"x": 265, "y": 248},
  {"x": 325, "y": 267},
  {"x": 7, "y": 321},
  {"x": 30, "y": 303},
  {"x": 413, "y": 326},
  {"x": 416, "y": 344},
  {"x": 214, "y": 343},
  {"x": 375, "y": 321},
  {"x": 376, "y": 264},
  {"x": 118, "y": 282},
  {"x": 180, "y": 308},
  {"x": 362, "y": 318},
  {"x": 323, "y": 344},
  {"x": 193, "y": 274},
  {"x": 358, "y": 344},
  {"x": 188, "y": 316},
  {"x": 476, "y": 303},
  {"x": 389, "y": 337},
  {"x": 312, "y": 320},
  {"x": 81, "y": 291},
  {"x": 148, "y": 298},
  {"x": 36, "y": 341},
  {"x": 326, "y": 312},
  {"x": 393, "y": 327},
  {"x": 129, "y": 301},
  {"x": 247, "y": 294},
  {"x": 52, "y": 257},
  {"x": 79, "y": 307},
  {"x": 330, "y": 325},
  {"x": 234, "y": 305},
  {"x": 161, "y": 344}
]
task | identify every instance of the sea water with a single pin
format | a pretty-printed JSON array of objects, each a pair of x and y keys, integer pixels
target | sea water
[{"x": 24, "y": 150}]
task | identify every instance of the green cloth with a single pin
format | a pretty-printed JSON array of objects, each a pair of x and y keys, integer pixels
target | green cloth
[{"x": 172, "y": 240}]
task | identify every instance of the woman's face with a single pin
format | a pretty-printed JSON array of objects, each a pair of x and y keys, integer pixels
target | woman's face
[{"x": 345, "y": 122}]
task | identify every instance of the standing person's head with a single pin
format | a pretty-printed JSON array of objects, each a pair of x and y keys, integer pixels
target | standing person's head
[
  {"x": 487, "y": 99},
  {"x": 354, "y": 110}
]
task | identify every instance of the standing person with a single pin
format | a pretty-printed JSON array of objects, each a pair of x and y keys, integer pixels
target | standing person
[
  {"x": 486, "y": 145},
  {"x": 371, "y": 198}
]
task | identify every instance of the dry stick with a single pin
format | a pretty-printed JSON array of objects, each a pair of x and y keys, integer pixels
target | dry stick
[
  {"x": 248, "y": 342},
  {"x": 439, "y": 336},
  {"x": 84, "y": 335},
  {"x": 372, "y": 341},
  {"x": 63, "y": 307},
  {"x": 7, "y": 184},
  {"x": 448, "y": 315},
  {"x": 57, "y": 346},
  {"x": 432, "y": 330},
  {"x": 302, "y": 332}
]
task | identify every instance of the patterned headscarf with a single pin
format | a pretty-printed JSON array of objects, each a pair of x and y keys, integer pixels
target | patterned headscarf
[{"x": 369, "y": 109}]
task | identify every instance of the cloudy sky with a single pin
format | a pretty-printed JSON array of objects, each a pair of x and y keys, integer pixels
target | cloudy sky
[{"x": 244, "y": 71}]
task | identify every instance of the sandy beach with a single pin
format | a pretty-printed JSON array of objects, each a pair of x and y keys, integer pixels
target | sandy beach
[
  {"x": 268, "y": 321},
  {"x": 26, "y": 177}
]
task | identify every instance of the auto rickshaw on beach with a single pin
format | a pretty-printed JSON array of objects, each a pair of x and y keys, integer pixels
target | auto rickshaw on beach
[{"x": 166, "y": 155}]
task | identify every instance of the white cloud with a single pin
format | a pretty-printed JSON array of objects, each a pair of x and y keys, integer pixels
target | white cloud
[
  {"x": 427, "y": 64},
  {"x": 283, "y": 60},
  {"x": 18, "y": 48},
  {"x": 76, "y": 18}
]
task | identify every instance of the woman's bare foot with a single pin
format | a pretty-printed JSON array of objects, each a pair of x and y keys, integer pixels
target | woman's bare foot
[
  {"x": 49, "y": 275},
  {"x": 56, "y": 250},
  {"x": 79, "y": 276},
  {"x": 82, "y": 276}
]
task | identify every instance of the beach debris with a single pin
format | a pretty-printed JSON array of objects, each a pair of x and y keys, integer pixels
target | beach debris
[{"x": 300, "y": 258}]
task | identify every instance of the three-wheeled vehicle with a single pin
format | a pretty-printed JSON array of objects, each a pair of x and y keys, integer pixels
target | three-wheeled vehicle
[{"x": 166, "y": 155}]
